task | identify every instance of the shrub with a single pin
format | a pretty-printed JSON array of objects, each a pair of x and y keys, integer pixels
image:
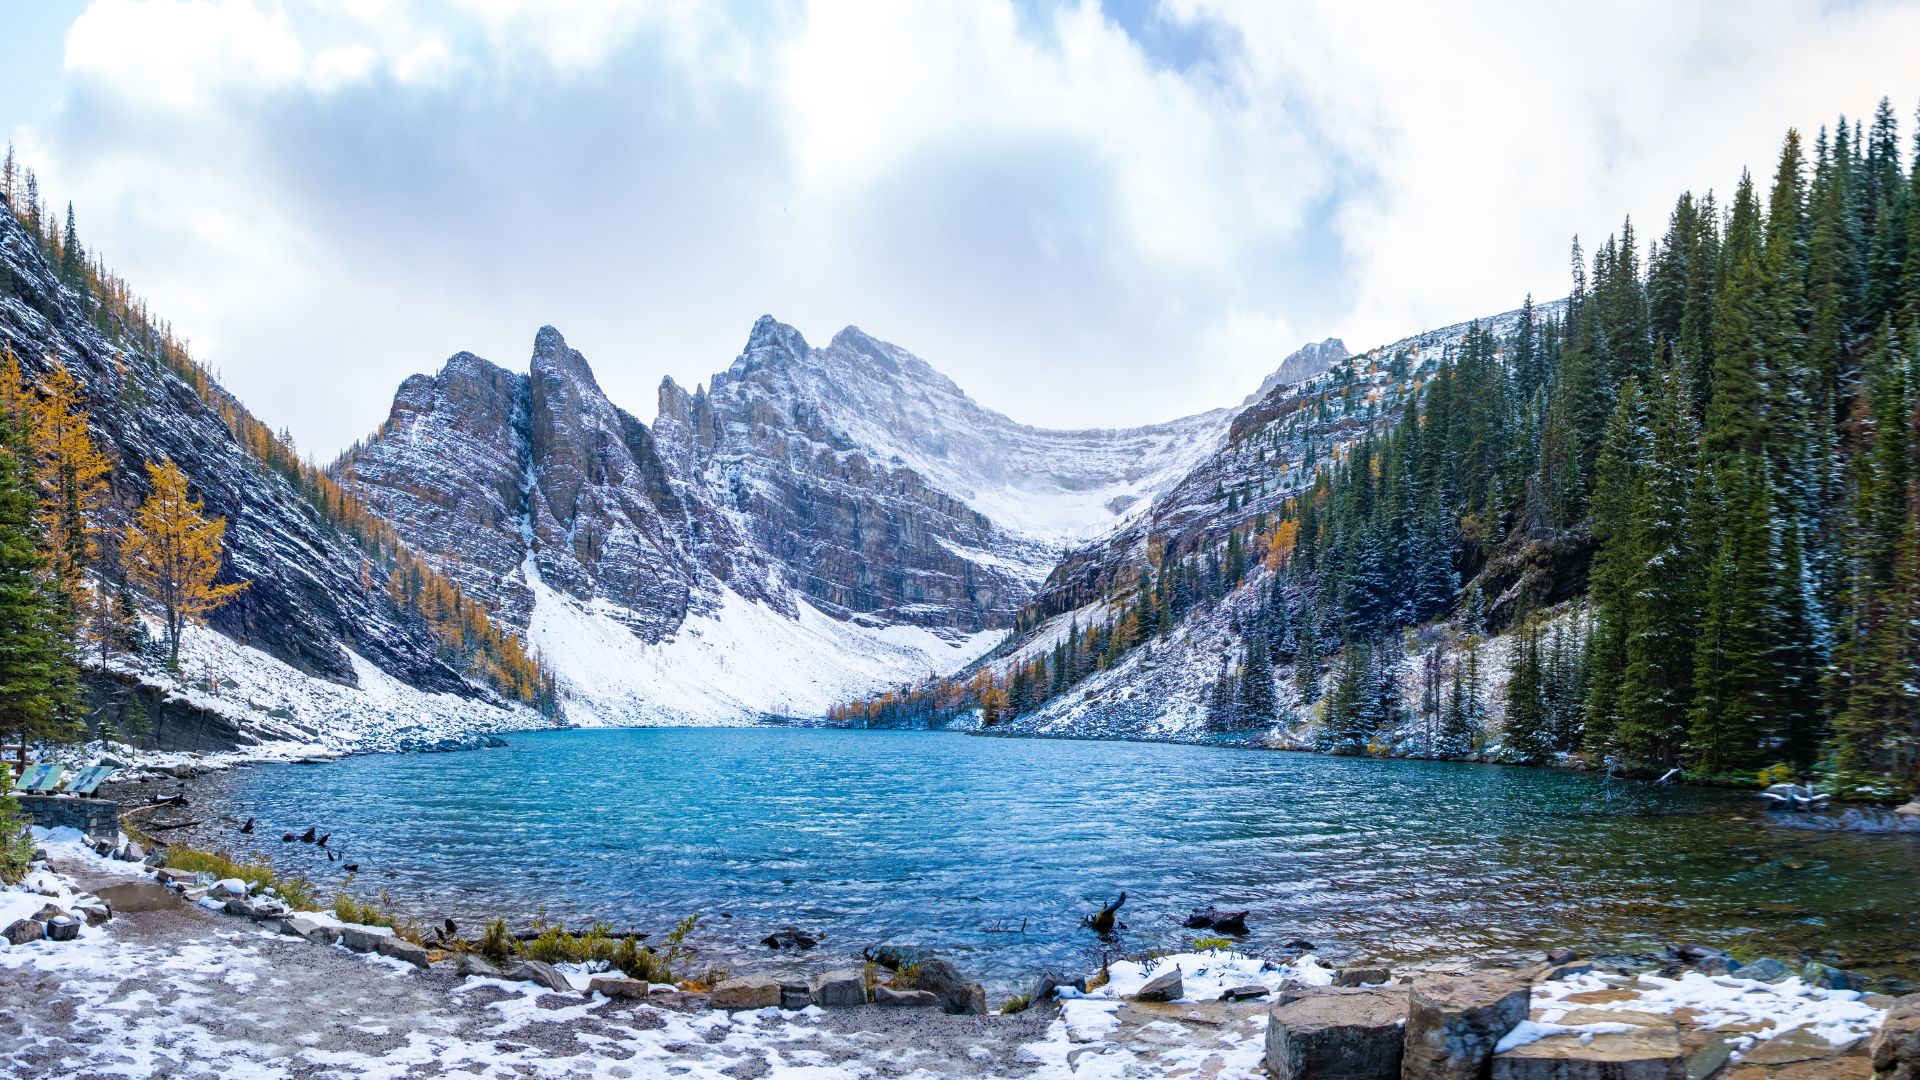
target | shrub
[
  {"x": 495, "y": 942},
  {"x": 257, "y": 875},
  {"x": 1016, "y": 1005},
  {"x": 16, "y": 844},
  {"x": 347, "y": 909}
]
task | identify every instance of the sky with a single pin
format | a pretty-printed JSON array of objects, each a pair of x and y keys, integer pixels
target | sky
[{"x": 1087, "y": 212}]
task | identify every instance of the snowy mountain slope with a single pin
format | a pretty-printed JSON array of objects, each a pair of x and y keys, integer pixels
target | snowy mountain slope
[
  {"x": 1044, "y": 485},
  {"x": 1269, "y": 455},
  {"x": 818, "y": 525},
  {"x": 1161, "y": 690}
]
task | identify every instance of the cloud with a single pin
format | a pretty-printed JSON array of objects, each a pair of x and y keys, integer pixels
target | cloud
[{"x": 1086, "y": 215}]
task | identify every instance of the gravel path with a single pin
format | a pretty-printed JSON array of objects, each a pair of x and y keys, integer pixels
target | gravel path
[{"x": 191, "y": 993}]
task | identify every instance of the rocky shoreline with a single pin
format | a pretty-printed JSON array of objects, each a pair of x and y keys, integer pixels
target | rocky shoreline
[{"x": 1698, "y": 1014}]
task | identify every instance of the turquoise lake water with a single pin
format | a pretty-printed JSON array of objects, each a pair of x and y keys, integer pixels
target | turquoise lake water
[{"x": 941, "y": 841}]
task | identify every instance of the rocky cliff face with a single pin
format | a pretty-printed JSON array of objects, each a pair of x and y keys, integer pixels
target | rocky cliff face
[
  {"x": 853, "y": 482},
  {"x": 1300, "y": 365},
  {"x": 308, "y": 603},
  {"x": 505, "y": 480}
]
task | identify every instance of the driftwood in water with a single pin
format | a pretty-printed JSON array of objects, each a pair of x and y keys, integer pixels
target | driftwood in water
[
  {"x": 152, "y": 825},
  {"x": 1104, "y": 922}
]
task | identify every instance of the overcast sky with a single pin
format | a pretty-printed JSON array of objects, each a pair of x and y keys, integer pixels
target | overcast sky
[{"x": 1087, "y": 213}]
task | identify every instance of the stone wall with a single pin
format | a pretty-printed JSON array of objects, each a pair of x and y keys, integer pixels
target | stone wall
[{"x": 95, "y": 817}]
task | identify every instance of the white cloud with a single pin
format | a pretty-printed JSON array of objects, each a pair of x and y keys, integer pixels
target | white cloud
[
  {"x": 1078, "y": 229},
  {"x": 178, "y": 54}
]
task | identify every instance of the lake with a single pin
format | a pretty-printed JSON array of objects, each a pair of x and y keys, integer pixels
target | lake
[{"x": 991, "y": 850}]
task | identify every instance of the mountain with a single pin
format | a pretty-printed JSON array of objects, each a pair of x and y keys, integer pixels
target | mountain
[
  {"x": 1300, "y": 365},
  {"x": 318, "y": 610},
  {"x": 1183, "y": 578},
  {"x": 815, "y": 524}
]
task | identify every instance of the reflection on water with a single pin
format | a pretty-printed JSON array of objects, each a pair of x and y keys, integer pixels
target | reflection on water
[{"x": 937, "y": 840}]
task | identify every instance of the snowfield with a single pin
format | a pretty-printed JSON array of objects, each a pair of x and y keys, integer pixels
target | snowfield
[
  {"x": 289, "y": 713},
  {"x": 739, "y": 664}
]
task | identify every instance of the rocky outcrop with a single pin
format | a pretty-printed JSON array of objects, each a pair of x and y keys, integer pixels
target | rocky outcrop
[{"x": 496, "y": 476}]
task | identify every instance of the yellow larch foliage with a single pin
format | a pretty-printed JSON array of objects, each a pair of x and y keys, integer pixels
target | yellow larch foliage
[{"x": 172, "y": 553}]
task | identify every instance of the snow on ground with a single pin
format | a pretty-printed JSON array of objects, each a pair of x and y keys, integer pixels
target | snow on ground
[
  {"x": 1755, "y": 1010},
  {"x": 293, "y": 714},
  {"x": 741, "y": 663}
]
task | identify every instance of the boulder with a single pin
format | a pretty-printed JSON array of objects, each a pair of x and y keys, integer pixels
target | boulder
[
  {"x": 1766, "y": 969},
  {"x": 1832, "y": 978},
  {"x": 1896, "y": 1049},
  {"x": 364, "y": 938},
  {"x": 938, "y": 976},
  {"x": 1910, "y": 808},
  {"x": 268, "y": 907},
  {"x": 1363, "y": 976},
  {"x": 133, "y": 852},
  {"x": 229, "y": 888},
  {"x": 746, "y": 992},
  {"x": 1243, "y": 993},
  {"x": 617, "y": 986},
  {"x": 168, "y": 875},
  {"x": 64, "y": 928},
  {"x": 888, "y": 996},
  {"x": 400, "y": 948},
  {"x": 541, "y": 972},
  {"x": 239, "y": 906},
  {"x": 840, "y": 989},
  {"x": 1454, "y": 1023},
  {"x": 1649, "y": 1051},
  {"x": 48, "y": 913},
  {"x": 304, "y": 925},
  {"x": 795, "y": 996},
  {"x": 1048, "y": 984},
  {"x": 1220, "y": 922},
  {"x": 1562, "y": 956},
  {"x": 1356, "y": 1036},
  {"x": 1717, "y": 965},
  {"x": 93, "y": 909},
  {"x": 23, "y": 931},
  {"x": 1163, "y": 987},
  {"x": 790, "y": 937}
]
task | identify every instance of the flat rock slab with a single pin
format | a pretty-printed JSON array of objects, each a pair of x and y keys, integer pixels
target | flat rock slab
[
  {"x": 1453, "y": 1023},
  {"x": 1356, "y": 1035},
  {"x": 1650, "y": 1050},
  {"x": 137, "y": 896},
  {"x": 618, "y": 986},
  {"x": 904, "y": 999},
  {"x": 746, "y": 992}
]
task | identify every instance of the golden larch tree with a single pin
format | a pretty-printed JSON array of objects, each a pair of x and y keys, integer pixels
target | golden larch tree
[{"x": 172, "y": 553}]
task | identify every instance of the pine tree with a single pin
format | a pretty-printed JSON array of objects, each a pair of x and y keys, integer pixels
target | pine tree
[
  {"x": 1527, "y": 731},
  {"x": 72, "y": 260},
  {"x": 173, "y": 552},
  {"x": 1662, "y": 609},
  {"x": 36, "y": 658},
  {"x": 1610, "y": 579},
  {"x": 1465, "y": 718}
]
